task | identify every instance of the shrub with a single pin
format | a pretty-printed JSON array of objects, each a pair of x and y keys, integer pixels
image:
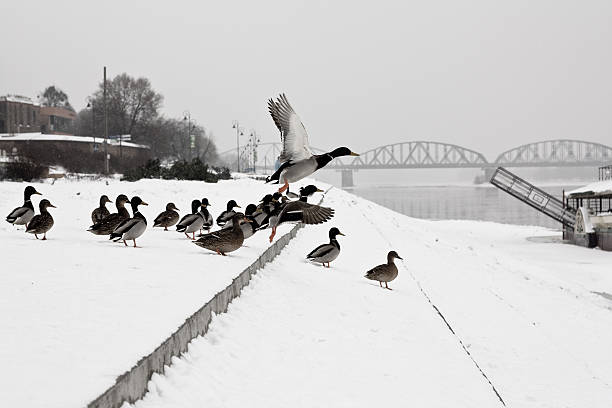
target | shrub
[
  {"x": 25, "y": 170},
  {"x": 180, "y": 170}
]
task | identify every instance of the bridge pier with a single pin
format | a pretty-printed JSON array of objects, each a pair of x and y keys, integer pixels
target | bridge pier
[{"x": 347, "y": 178}]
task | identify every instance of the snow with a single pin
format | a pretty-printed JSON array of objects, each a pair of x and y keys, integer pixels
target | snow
[
  {"x": 65, "y": 138},
  {"x": 533, "y": 313},
  {"x": 598, "y": 188},
  {"x": 77, "y": 310}
]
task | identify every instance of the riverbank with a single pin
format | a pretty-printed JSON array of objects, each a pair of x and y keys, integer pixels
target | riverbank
[
  {"x": 528, "y": 314},
  {"x": 527, "y": 311}
]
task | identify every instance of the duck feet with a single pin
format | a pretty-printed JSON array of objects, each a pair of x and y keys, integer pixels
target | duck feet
[
  {"x": 134, "y": 243},
  {"x": 44, "y": 236},
  {"x": 36, "y": 235},
  {"x": 273, "y": 233},
  {"x": 387, "y": 286},
  {"x": 284, "y": 187},
  {"x": 125, "y": 243},
  {"x": 165, "y": 228}
]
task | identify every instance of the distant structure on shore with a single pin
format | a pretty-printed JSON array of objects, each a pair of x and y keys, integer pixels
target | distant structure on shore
[{"x": 20, "y": 114}]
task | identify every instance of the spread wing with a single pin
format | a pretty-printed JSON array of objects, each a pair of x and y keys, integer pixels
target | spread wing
[{"x": 293, "y": 132}]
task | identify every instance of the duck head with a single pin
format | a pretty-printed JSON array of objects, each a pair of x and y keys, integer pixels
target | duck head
[
  {"x": 171, "y": 206},
  {"x": 307, "y": 191},
  {"x": 195, "y": 206},
  {"x": 231, "y": 204},
  {"x": 342, "y": 151},
  {"x": 44, "y": 204},
  {"x": 334, "y": 232},
  {"x": 28, "y": 192},
  {"x": 393, "y": 255},
  {"x": 250, "y": 209},
  {"x": 205, "y": 202},
  {"x": 136, "y": 201},
  {"x": 103, "y": 200},
  {"x": 121, "y": 200}
]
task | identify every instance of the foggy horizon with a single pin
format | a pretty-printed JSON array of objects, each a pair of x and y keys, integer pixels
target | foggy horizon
[{"x": 483, "y": 76}]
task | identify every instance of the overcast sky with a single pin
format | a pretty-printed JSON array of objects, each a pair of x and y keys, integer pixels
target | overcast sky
[{"x": 486, "y": 75}]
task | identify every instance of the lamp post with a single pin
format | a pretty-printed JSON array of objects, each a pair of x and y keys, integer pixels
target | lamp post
[
  {"x": 106, "y": 167},
  {"x": 190, "y": 139},
  {"x": 239, "y": 132},
  {"x": 253, "y": 143},
  {"x": 90, "y": 104}
]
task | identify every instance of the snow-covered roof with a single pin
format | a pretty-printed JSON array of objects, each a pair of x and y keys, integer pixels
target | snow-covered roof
[
  {"x": 18, "y": 98},
  {"x": 598, "y": 188},
  {"x": 65, "y": 138}
]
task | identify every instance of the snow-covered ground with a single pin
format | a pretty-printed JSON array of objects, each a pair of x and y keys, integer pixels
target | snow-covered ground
[
  {"x": 77, "y": 310},
  {"x": 533, "y": 314}
]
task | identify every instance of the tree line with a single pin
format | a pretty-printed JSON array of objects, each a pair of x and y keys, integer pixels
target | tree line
[{"x": 134, "y": 108}]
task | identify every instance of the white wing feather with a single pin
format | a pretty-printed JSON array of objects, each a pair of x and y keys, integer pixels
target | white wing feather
[{"x": 293, "y": 132}]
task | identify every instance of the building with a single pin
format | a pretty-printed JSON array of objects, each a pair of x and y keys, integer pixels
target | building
[
  {"x": 19, "y": 114},
  {"x": 594, "y": 212},
  {"x": 56, "y": 121}
]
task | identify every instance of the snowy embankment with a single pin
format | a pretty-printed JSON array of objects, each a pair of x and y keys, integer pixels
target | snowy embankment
[
  {"x": 78, "y": 310},
  {"x": 532, "y": 315}
]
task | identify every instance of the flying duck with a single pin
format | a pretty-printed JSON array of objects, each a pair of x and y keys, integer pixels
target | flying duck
[
  {"x": 132, "y": 228},
  {"x": 225, "y": 240},
  {"x": 226, "y": 216},
  {"x": 299, "y": 211},
  {"x": 326, "y": 253},
  {"x": 22, "y": 215},
  {"x": 41, "y": 223},
  {"x": 385, "y": 272},
  {"x": 296, "y": 158},
  {"x": 167, "y": 218},
  {"x": 191, "y": 223},
  {"x": 99, "y": 213},
  {"x": 108, "y": 224}
]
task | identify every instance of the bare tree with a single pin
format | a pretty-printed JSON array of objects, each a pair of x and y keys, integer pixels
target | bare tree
[{"x": 132, "y": 105}]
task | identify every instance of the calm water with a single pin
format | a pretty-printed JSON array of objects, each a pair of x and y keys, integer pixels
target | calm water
[{"x": 459, "y": 202}]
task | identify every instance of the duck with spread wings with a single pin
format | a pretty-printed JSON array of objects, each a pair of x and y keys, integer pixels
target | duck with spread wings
[{"x": 297, "y": 160}]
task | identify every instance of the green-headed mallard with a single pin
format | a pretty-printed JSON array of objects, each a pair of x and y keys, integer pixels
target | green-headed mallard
[
  {"x": 206, "y": 216},
  {"x": 385, "y": 272},
  {"x": 227, "y": 215},
  {"x": 225, "y": 240},
  {"x": 132, "y": 228},
  {"x": 167, "y": 218},
  {"x": 22, "y": 215},
  {"x": 300, "y": 211},
  {"x": 326, "y": 253},
  {"x": 296, "y": 158},
  {"x": 191, "y": 223},
  {"x": 99, "y": 213},
  {"x": 41, "y": 223},
  {"x": 108, "y": 224}
]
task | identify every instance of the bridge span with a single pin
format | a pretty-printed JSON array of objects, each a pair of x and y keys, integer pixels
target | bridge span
[{"x": 437, "y": 155}]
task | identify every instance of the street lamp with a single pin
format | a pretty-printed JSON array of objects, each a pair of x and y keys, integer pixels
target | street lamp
[
  {"x": 253, "y": 143},
  {"x": 239, "y": 132},
  {"x": 190, "y": 137},
  {"x": 90, "y": 104}
]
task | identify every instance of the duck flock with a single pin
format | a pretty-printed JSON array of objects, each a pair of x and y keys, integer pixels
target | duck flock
[{"x": 234, "y": 227}]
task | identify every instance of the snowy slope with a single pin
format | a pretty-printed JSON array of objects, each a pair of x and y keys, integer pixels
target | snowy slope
[
  {"x": 78, "y": 310},
  {"x": 301, "y": 335}
]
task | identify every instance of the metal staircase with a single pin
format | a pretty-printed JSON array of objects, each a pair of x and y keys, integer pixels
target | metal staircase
[{"x": 533, "y": 196}]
